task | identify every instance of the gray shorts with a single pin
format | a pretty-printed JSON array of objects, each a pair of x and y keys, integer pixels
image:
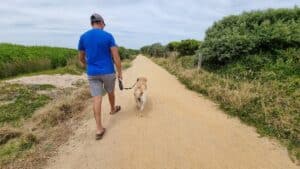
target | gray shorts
[{"x": 102, "y": 83}]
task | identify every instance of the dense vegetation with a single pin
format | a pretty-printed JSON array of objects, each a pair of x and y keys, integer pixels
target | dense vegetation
[
  {"x": 18, "y": 59},
  {"x": 252, "y": 33},
  {"x": 154, "y": 50},
  {"x": 252, "y": 68},
  {"x": 128, "y": 54},
  {"x": 184, "y": 47}
]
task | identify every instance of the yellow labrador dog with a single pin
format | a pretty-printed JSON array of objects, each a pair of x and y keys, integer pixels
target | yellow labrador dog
[{"x": 140, "y": 92}]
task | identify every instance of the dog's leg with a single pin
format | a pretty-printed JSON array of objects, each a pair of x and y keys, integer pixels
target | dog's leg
[
  {"x": 143, "y": 102},
  {"x": 141, "y": 108},
  {"x": 137, "y": 104}
]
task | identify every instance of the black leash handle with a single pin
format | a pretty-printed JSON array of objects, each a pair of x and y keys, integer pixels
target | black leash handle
[{"x": 121, "y": 86}]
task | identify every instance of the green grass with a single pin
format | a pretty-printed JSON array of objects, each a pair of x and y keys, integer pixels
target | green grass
[
  {"x": 19, "y": 102},
  {"x": 271, "y": 106},
  {"x": 18, "y": 59},
  {"x": 16, "y": 148}
]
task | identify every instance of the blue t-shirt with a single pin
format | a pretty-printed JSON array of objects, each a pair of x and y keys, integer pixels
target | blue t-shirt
[{"x": 96, "y": 44}]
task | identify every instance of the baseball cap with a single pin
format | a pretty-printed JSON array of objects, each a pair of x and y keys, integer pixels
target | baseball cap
[{"x": 96, "y": 17}]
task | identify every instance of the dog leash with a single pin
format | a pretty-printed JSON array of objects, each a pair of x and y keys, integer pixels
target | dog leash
[{"x": 121, "y": 86}]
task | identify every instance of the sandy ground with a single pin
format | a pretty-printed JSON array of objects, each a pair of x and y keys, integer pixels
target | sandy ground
[
  {"x": 60, "y": 81},
  {"x": 179, "y": 130}
]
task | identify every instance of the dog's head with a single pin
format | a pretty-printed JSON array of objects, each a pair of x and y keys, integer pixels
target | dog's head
[{"x": 142, "y": 79}]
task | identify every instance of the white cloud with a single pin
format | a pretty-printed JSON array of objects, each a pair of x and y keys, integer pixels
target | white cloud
[{"x": 133, "y": 22}]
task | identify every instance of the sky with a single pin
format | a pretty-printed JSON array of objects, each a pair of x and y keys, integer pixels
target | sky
[{"x": 134, "y": 23}]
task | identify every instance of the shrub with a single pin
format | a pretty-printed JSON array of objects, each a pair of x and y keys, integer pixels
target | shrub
[
  {"x": 155, "y": 50},
  {"x": 250, "y": 33},
  {"x": 172, "y": 46},
  {"x": 188, "y": 47},
  {"x": 127, "y": 53}
]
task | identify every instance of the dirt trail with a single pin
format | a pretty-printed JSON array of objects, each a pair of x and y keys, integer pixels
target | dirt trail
[{"x": 179, "y": 130}]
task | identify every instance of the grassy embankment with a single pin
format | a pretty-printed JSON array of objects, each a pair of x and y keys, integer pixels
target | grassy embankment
[
  {"x": 34, "y": 118},
  {"x": 251, "y": 67},
  {"x": 17, "y": 60}
]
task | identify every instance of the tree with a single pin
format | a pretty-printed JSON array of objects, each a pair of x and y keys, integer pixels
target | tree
[
  {"x": 154, "y": 50},
  {"x": 173, "y": 46},
  {"x": 188, "y": 47}
]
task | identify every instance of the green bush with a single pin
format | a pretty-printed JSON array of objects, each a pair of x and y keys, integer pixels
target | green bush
[
  {"x": 155, "y": 50},
  {"x": 188, "y": 47},
  {"x": 173, "y": 46},
  {"x": 250, "y": 33},
  {"x": 127, "y": 53},
  {"x": 184, "y": 47}
]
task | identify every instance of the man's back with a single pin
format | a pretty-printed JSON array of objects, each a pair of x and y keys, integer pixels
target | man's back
[
  {"x": 97, "y": 44},
  {"x": 98, "y": 51}
]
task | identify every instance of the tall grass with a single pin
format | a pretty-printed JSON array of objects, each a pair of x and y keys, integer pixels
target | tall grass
[
  {"x": 18, "y": 59},
  {"x": 268, "y": 106}
]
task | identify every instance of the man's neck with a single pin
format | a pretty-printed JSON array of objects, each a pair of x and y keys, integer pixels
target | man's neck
[{"x": 97, "y": 27}]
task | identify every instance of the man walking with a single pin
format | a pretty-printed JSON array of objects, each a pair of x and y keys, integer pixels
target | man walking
[{"x": 99, "y": 52}]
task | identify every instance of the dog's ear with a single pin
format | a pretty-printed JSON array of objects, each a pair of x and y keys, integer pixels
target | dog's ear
[{"x": 137, "y": 79}]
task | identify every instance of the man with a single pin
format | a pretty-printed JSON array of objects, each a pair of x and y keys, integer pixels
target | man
[{"x": 99, "y": 52}]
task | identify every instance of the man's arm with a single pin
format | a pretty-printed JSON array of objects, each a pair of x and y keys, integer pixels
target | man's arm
[
  {"x": 82, "y": 58},
  {"x": 117, "y": 60}
]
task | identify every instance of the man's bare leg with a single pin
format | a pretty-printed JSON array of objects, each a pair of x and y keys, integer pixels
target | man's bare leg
[
  {"x": 111, "y": 98},
  {"x": 97, "y": 113}
]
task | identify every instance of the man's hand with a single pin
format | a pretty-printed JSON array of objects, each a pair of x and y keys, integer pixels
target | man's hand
[
  {"x": 120, "y": 76},
  {"x": 117, "y": 60},
  {"x": 82, "y": 58}
]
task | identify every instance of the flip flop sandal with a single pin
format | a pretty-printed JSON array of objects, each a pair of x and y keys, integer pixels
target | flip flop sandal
[
  {"x": 99, "y": 136},
  {"x": 117, "y": 109}
]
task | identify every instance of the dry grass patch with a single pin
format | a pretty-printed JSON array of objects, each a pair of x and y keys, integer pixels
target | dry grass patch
[
  {"x": 7, "y": 133},
  {"x": 60, "y": 110},
  {"x": 49, "y": 127},
  {"x": 268, "y": 106}
]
